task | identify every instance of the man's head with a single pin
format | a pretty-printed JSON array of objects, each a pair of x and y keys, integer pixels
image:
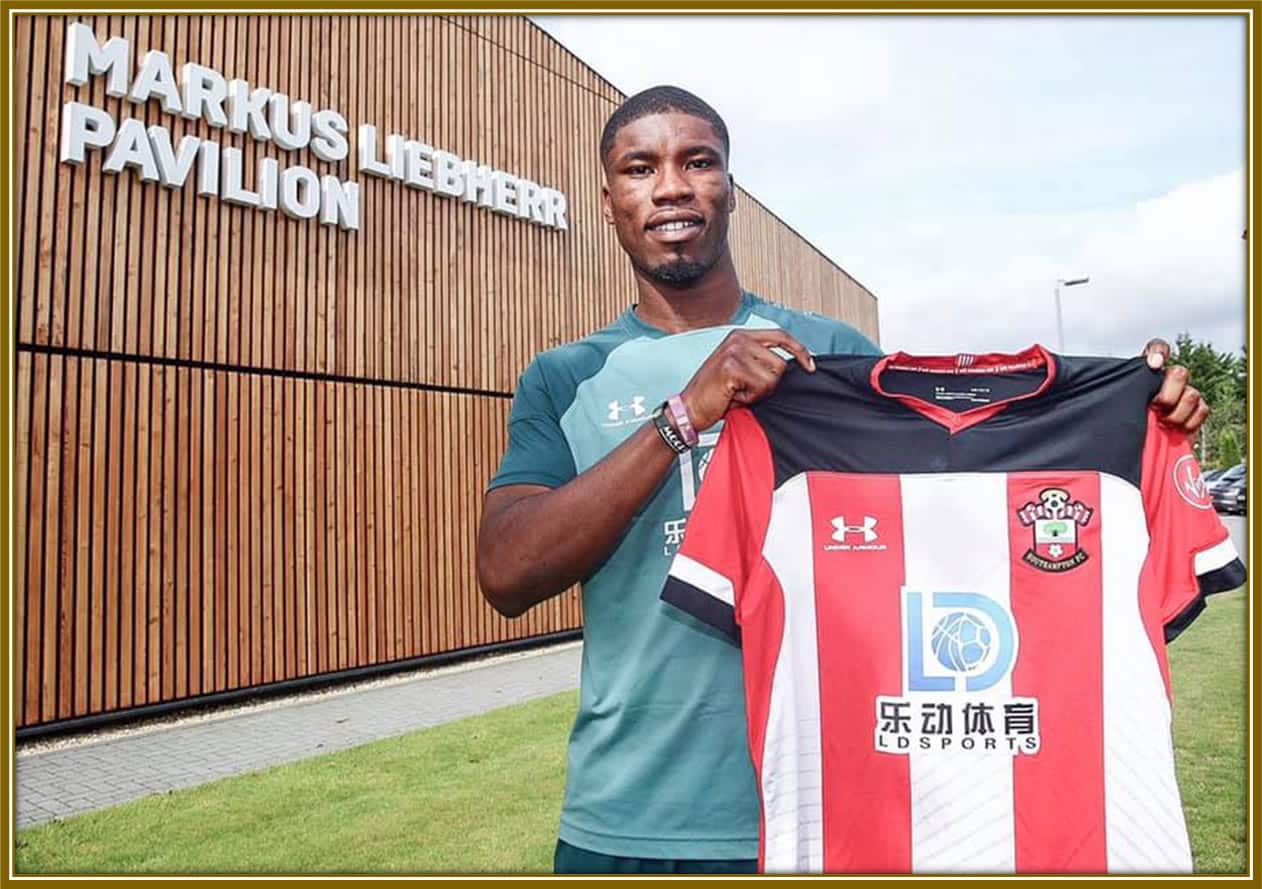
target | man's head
[
  {"x": 660, "y": 100},
  {"x": 667, "y": 189}
]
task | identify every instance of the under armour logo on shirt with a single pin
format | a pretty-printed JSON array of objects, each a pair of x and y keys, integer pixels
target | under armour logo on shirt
[
  {"x": 636, "y": 407},
  {"x": 841, "y": 529}
]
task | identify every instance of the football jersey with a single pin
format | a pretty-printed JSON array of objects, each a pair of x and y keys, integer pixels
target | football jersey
[{"x": 953, "y": 581}]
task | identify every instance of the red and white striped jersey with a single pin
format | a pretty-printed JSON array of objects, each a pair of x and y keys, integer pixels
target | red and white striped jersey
[{"x": 953, "y": 580}]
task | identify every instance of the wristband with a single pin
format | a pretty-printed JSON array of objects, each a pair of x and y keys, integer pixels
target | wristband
[
  {"x": 682, "y": 420},
  {"x": 666, "y": 429}
]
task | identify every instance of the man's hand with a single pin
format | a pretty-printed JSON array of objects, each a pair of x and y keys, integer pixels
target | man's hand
[
  {"x": 1178, "y": 404},
  {"x": 742, "y": 370}
]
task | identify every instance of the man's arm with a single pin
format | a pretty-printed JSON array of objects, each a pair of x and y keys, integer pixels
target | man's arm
[{"x": 534, "y": 542}]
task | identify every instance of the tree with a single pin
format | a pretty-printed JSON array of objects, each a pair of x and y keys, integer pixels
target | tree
[{"x": 1223, "y": 380}]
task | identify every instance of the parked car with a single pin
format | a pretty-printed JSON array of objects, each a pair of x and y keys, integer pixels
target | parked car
[
  {"x": 1212, "y": 475},
  {"x": 1232, "y": 497},
  {"x": 1227, "y": 476}
]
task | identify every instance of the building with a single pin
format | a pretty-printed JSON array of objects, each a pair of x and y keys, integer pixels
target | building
[{"x": 275, "y": 280}]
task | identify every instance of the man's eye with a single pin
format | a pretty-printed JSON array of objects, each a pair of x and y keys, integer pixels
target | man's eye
[
  {"x": 639, "y": 170},
  {"x": 701, "y": 163}
]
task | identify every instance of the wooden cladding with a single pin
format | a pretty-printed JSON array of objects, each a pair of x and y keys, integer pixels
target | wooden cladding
[
  {"x": 191, "y": 531},
  {"x": 250, "y": 448}
]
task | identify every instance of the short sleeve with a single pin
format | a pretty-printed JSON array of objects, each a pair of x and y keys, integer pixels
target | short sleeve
[
  {"x": 1190, "y": 552},
  {"x": 726, "y": 528},
  {"x": 538, "y": 452}
]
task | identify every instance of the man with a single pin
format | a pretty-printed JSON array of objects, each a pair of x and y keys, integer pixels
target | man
[{"x": 593, "y": 489}]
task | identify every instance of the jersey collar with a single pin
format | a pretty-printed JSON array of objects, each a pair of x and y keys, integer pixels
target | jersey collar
[
  {"x": 992, "y": 362},
  {"x": 632, "y": 322}
]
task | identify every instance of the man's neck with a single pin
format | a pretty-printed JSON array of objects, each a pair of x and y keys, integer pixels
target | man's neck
[{"x": 710, "y": 302}]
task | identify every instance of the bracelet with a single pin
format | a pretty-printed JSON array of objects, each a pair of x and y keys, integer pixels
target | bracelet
[
  {"x": 666, "y": 429},
  {"x": 682, "y": 420}
]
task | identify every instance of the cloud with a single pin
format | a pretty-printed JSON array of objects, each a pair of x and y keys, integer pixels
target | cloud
[
  {"x": 1170, "y": 264},
  {"x": 757, "y": 72}
]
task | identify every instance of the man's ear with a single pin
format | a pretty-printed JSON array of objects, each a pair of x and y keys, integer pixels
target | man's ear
[
  {"x": 731, "y": 198},
  {"x": 606, "y": 206}
]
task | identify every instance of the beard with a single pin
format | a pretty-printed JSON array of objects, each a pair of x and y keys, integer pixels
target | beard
[{"x": 679, "y": 272}]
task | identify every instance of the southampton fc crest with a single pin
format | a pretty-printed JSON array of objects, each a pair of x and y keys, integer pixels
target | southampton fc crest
[{"x": 1054, "y": 522}]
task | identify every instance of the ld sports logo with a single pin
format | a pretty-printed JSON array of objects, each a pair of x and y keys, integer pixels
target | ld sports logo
[
  {"x": 1055, "y": 521},
  {"x": 858, "y": 537},
  {"x": 970, "y": 640},
  {"x": 959, "y": 649}
]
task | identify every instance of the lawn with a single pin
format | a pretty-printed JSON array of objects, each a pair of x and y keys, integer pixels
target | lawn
[
  {"x": 484, "y": 794},
  {"x": 1207, "y": 664}
]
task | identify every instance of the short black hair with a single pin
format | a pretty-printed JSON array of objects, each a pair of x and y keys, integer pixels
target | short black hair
[{"x": 659, "y": 100}]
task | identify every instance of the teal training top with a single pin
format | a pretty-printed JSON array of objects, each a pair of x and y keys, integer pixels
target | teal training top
[{"x": 658, "y": 760}]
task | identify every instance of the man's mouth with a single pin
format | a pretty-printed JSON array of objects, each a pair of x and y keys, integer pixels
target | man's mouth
[
  {"x": 675, "y": 225},
  {"x": 676, "y": 229}
]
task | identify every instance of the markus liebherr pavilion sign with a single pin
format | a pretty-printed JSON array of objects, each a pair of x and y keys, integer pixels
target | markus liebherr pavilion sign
[{"x": 202, "y": 93}]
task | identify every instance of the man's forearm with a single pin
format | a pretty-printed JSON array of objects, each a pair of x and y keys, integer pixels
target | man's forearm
[{"x": 533, "y": 547}]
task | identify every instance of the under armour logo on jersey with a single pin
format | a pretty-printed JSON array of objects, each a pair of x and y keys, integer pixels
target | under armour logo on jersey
[
  {"x": 618, "y": 410},
  {"x": 841, "y": 529}
]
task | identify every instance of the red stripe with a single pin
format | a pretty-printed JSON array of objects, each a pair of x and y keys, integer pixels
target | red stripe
[
  {"x": 1059, "y": 792},
  {"x": 866, "y": 795},
  {"x": 742, "y": 468}
]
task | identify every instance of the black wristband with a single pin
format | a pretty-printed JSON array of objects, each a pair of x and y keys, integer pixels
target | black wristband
[{"x": 667, "y": 430}]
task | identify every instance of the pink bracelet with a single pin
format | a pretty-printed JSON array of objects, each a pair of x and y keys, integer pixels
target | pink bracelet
[{"x": 682, "y": 421}]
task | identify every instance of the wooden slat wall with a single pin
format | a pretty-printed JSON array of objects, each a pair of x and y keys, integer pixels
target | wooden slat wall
[{"x": 233, "y": 452}]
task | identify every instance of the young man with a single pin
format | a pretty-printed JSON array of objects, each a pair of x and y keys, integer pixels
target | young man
[{"x": 595, "y": 489}]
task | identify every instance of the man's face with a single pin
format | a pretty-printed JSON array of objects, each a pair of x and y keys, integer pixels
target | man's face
[{"x": 668, "y": 195}]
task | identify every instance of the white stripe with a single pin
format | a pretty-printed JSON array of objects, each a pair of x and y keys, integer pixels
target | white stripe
[
  {"x": 1215, "y": 557},
  {"x": 1143, "y": 816},
  {"x": 692, "y": 572},
  {"x": 792, "y": 777},
  {"x": 961, "y": 801}
]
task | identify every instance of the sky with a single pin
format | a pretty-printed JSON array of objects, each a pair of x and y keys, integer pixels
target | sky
[{"x": 957, "y": 166}]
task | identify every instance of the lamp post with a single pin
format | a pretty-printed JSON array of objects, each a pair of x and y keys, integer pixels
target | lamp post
[{"x": 1060, "y": 326}]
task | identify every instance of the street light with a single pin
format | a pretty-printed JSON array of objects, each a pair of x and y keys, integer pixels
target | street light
[{"x": 1060, "y": 326}]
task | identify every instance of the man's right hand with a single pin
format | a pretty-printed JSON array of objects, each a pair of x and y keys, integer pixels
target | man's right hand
[{"x": 741, "y": 371}]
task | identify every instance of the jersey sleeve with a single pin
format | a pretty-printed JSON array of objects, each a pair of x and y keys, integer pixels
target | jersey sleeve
[
  {"x": 725, "y": 531},
  {"x": 538, "y": 452},
  {"x": 1190, "y": 552}
]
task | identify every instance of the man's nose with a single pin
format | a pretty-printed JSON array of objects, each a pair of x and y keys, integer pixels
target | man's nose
[{"x": 672, "y": 186}]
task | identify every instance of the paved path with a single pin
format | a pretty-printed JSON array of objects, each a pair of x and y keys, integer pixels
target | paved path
[{"x": 60, "y": 778}]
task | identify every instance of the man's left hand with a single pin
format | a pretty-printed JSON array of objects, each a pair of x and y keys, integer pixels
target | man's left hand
[{"x": 1177, "y": 404}]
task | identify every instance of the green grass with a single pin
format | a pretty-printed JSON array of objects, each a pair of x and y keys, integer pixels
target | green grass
[
  {"x": 1208, "y": 668},
  {"x": 479, "y": 795},
  {"x": 484, "y": 794}
]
